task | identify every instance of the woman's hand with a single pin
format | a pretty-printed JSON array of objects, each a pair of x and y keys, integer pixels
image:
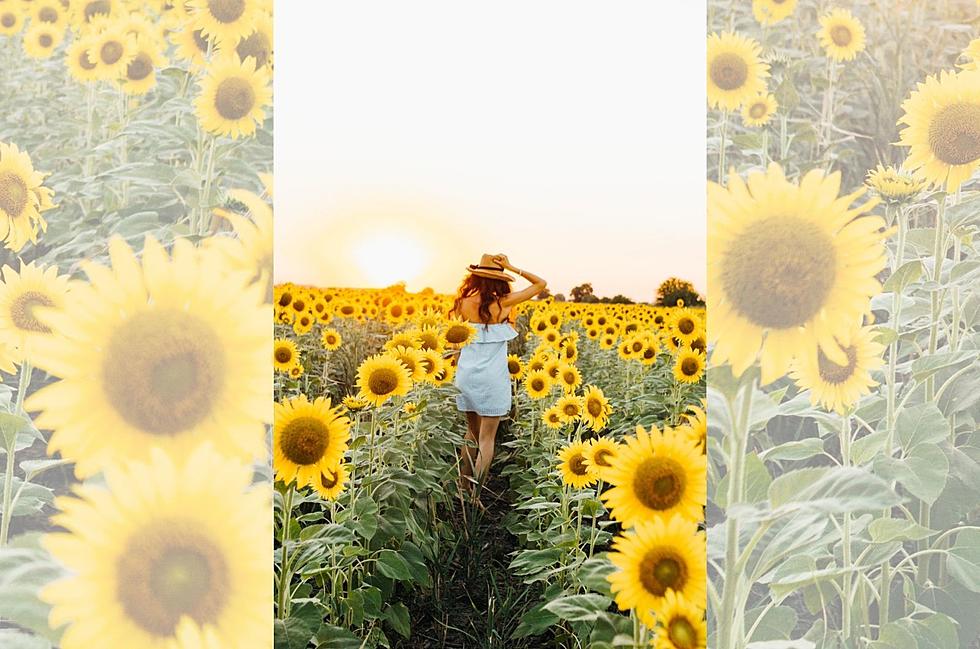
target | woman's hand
[{"x": 502, "y": 261}]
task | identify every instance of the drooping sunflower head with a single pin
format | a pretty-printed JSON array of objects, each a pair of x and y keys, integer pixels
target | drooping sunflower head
[
  {"x": 573, "y": 466},
  {"x": 816, "y": 256},
  {"x": 736, "y": 72},
  {"x": 161, "y": 364},
  {"x": 770, "y": 12},
  {"x": 284, "y": 354},
  {"x": 839, "y": 386},
  {"x": 308, "y": 437},
  {"x": 258, "y": 44},
  {"x": 332, "y": 482},
  {"x": 841, "y": 35},
  {"x": 656, "y": 474},
  {"x": 233, "y": 97},
  {"x": 382, "y": 377},
  {"x": 894, "y": 185},
  {"x": 601, "y": 456},
  {"x": 759, "y": 110},
  {"x": 195, "y": 48},
  {"x": 82, "y": 65},
  {"x": 657, "y": 557},
  {"x": 942, "y": 118}
]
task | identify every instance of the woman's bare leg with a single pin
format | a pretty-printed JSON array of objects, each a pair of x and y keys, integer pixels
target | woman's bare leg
[
  {"x": 470, "y": 449},
  {"x": 488, "y": 437}
]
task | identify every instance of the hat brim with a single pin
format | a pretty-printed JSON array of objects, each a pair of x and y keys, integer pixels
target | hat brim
[{"x": 490, "y": 274}]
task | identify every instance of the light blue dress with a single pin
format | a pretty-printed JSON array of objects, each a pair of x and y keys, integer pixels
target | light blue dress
[{"x": 481, "y": 373}]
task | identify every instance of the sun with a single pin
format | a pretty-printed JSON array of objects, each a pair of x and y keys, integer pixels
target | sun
[{"x": 387, "y": 258}]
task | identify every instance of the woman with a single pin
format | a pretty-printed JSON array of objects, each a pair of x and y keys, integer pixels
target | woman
[{"x": 485, "y": 300}]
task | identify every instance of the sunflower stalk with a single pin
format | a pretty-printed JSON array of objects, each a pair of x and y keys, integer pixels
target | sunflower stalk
[
  {"x": 23, "y": 381},
  {"x": 284, "y": 574},
  {"x": 722, "y": 146}
]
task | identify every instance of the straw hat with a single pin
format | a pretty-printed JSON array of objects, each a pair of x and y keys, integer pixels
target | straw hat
[{"x": 489, "y": 268}]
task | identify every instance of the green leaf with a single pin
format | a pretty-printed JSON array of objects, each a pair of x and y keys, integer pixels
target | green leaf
[
  {"x": 593, "y": 574},
  {"x": 921, "y": 424},
  {"x": 24, "y": 571},
  {"x": 394, "y": 566},
  {"x": 963, "y": 560},
  {"x": 10, "y": 639},
  {"x": 923, "y": 472},
  {"x": 757, "y": 482},
  {"x": 886, "y": 530},
  {"x": 579, "y": 608},
  {"x": 291, "y": 633},
  {"x": 535, "y": 622},
  {"x": 335, "y": 637},
  {"x": 400, "y": 619},
  {"x": 797, "y": 450},
  {"x": 10, "y": 426},
  {"x": 894, "y": 636},
  {"x": 903, "y": 276},
  {"x": 923, "y": 368},
  {"x": 831, "y": 490}
]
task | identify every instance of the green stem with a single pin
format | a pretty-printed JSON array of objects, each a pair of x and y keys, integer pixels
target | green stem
[
  {"x": 722, "y": 147},
  {"x": 287, "y": 517},
  {"x": 23, "y": 382},
  {"x": 845, "y": 442}
]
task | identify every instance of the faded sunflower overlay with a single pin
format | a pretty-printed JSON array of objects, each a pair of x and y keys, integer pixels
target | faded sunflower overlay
[
  {"x": 842, "y": 342},
  {"x": 136, "y": 227},
  {"x": 607, "y": 465}
]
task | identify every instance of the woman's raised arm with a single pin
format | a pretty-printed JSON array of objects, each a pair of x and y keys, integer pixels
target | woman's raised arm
[{"x": 537, "y": 283}]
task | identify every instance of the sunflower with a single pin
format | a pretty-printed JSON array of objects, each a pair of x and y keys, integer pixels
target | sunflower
[
  {"x": 355, "y": 403},
  {"x": 816, "y": 257},
  {"x": 601, "y": 456},
  {"x": 656, "y": 475},
  {"x": 113, "y": 51},
  {"x": 656, "y": 557},
  {"x": 225, "y": 20},
  {"x": 688, "y": 366},
  {"x": 458, "y": 333},
  {"x": 429, "y": 338},
  {"x": 41, "y": 40},
  {"x": 568, "y": 351},
  {"x": 381, "y": 377},
  {"x": 82, "y": 66},
  {"x": 695, "y": 427},
  {"x": 195, "y": 48},
  {"x": 649, "y": 354},
  {"x": 303, "y": 323},
  {"x": 574, "y": 470},
  {"x": 49, "y": 12},
  {"x": 148, "y": 356},
  {"x": 332, "y": 482},
  {"x": 22, "y": 295},
  {"x": 296, "y": 371},
  {"x": 22, "y": 198},
  {"x": 514, "y": 367},
  {"x": 838, "y": 387},
  {"x": 284, "y": 354},
  {"x": 770, "y": 12},
  {"x": 735, "y": 71},
  {"x": 146, "y": 555},
  {"x": 569, "y": 378},
  {"x": 11, "y": 19},
  {"x": 972, "y": 55},
  {"x": 841, "y": 35},
  {"x": 251, "y": 247},
  {"x": 942, "y": 118},
  {"x": 758, "y": 110},
  {"x": 685, "y": 324},
  {"x": 894, "y": 185},
  {"x": 537, "y": 384},
  {"x": 552, "y": 417},
  {"x": 233, "y": 97},
  {"x": 410, "y": 358},
  {"x": 307, "y": 438},
  {"x": 682, "y": 623},
  {"x": 95, "y": 11},
  {"x": 140, "y": 76},
  {"x": 331, "y": 339},
  {"x": 407, "y": 338},
  {"x": 595, "y": 408},
  {"x": 607, "y": 342},
  {"x": 431, "y": 362},
  {"x": 570, "y": 407}
]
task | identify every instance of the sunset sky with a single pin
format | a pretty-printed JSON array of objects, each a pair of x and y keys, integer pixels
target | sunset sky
[{"x": 415, "y": 136}]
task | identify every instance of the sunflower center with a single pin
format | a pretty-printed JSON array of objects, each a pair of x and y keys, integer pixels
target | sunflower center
[
  {"x": 954, "y": 134},
  {"x": 45, "y": 40},
  {"x": 8, "y": 20},
  {"x": 779, "y": 271},
  {"x": 111, "y": 52},
  {"x": 729, "y": 71},
  {"x": 636, "y": 347},
  {"x": 662, "y": 569},
  {"x": 47, "y": 15},
  {"x": 22, "y": 311},
  {"x": 685, "y": 326},
  {"x": 569, "y": 377},
  {"x": 757, "y": 110},
  {"x": 659, "y": 483},
  {"x": 163, "y": 371},
  {"x": 329, "y": 479},
  {"x": 304, "y": 440},
  {"x": 690, "y": 366},
  {"x": 682, "y": 633},
  {"x": 841, "y": 35},
  {"x": 649, "y": 353},
  {"x": 97, "y": 7},
  {"x": 594, "y": 406},
  {"x": 284, "y": 355},
  {"x": 285, "y": 299},
  {"x": 600, "y": 457},
  {"x": 226, "y": 11},
  {"x": 570, "y": 410},
  {"x": 234, "y": 98},
  {"x": 457, "y": 334},
  {"x": 537, "y": 385},
  {"x": 13, "y": 194},
  {"x": 168, "y": 571},
  {"x": 577, "y": 465},
  {"x": 383, "y": 381},
  {"x": 513, "y": 367},
  {"x": 833, "y": 373},
  {"x": 140, "y": 68},
  {"x": 202, "y": 43}
]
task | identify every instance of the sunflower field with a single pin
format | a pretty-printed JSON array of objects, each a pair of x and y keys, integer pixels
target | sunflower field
[
  {"x": 589, "y": 530},
  {"x": 135, "y": 245},
  {"x": 843, "y": 382}
]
